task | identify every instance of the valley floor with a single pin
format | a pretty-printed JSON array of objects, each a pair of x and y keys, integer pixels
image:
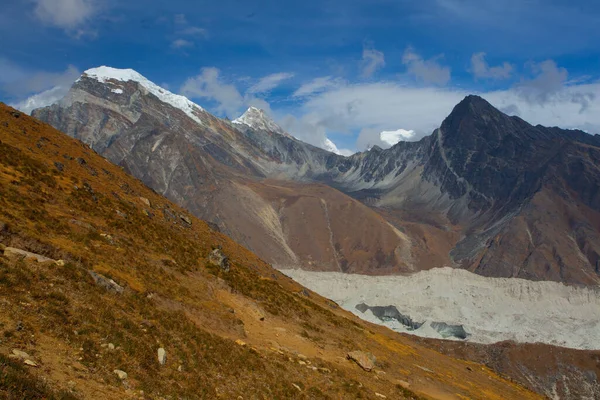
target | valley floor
[{"x": 489, "y": 309}]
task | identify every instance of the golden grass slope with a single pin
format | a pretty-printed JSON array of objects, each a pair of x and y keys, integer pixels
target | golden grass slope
[{"x": 250, "y": 333}]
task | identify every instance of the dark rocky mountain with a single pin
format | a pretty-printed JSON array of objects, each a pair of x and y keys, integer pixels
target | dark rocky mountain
[{"x": 485, "y": 191}]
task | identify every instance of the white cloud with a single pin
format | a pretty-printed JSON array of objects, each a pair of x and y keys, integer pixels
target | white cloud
[
  {"x": 42, "y": 99},
  {"x": 427, "y": 71},
  {"x": 209, "y": 85},
  {"x": 393, "y": 137},
  {"x": 548, "y": 82},
  {"x": 181, "y": 43},
  {"x": 316, "y": 85},
  {"x": 269, "y": 82},
  {"x": 47, "y": 86},
  {"x": 547, "y": 98},
  {"x": 481, "y": 69},
  {"x": 372, "y": 61},
  {"x": 65, "y": 14}
]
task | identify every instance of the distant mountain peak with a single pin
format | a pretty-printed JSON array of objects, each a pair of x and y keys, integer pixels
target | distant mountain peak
[
  {"x": 257, "y": 119},
  {"x": 110, "y": 75}
]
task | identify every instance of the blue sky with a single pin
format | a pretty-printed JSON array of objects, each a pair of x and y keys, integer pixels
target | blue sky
[{"x": 346, "y": 70}]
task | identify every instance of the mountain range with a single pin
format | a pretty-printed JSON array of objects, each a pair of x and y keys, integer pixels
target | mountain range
[{"x": 485, "y": 191}]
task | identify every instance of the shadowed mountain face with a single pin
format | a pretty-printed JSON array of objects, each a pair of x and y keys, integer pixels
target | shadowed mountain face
[{"x": 485, "y": 191}]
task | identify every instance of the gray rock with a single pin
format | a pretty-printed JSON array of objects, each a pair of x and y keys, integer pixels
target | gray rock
[
  {"x": 218, "y": 259},
  {"x": 106, "y": 283}
]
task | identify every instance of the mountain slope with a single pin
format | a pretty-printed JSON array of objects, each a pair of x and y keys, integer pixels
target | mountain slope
[
  {"x": 486, "y": 192},
  {"x": 136, "y": 276},
  {"x": 213, "y": 167}
]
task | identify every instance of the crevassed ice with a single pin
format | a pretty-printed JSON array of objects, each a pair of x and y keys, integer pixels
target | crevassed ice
[{"x": 104, "y": 73}]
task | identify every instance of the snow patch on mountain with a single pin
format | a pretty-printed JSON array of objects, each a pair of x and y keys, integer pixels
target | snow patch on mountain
[
  {"x": 489, "y": 309},
  {"x": 256, "y": 118},
  {"x": 106, "y": 74}
]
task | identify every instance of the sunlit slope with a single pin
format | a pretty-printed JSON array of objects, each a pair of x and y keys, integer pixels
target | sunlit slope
[{"x": 126, "y": 273}]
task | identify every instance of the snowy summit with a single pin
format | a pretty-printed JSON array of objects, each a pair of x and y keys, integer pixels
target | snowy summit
[
  {"x": 256, "y": 118},
  {"x": 109, "y": 75}
]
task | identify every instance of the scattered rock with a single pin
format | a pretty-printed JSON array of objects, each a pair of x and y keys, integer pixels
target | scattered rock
[
  {"x": 380, "y": 395},
  {"x": 145, "y": 201},
  {"x": 301, "y": 362},
  {"x": 30, "y": 363},
  {"x": 81, "y": 161},
  {"x": 2, "y": 226},
  {"x": 59, "y": 166},
  {"x": 111, "y": 346},
  {"x": 21, "y": 355},
  {"x": 61, "y": 263},
  {"x": 302, "y": 356},
  {"x": 108, "y": 238},
  {"x": 82, "y": 224},
  {"x": 22, "y": 254},
  {"x": 213, "y": 226},
  {"x": 180, "y": 368},
  {"x": 185, "y": 219},
  {"x": 2, "y": 247},
  {"x": 469, "y": 369},
  {"x": 325, "y": 370},
  {"x": 365, "y": 360},
  {"x": 218, "y": 259},
  {"x": 297, "y": 387},
  {"x": 162, "y": 356},
  {"x": 121, "y": 214},
  {"x": 121, "y": 374},
  {"x": 240, "y": 342},
  {"x": 15, "y": 114},
  {"x": 106, "y": 283},
  {"x": 424, "y": 369}
]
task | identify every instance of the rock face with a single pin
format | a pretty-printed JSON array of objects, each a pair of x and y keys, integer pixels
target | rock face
[
  {"x": 218, "y": 259},
  {"x": 486, "y": 192},
  {"x": 365, "y": 360}
]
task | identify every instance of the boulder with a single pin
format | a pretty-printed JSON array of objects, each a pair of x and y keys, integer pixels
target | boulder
[
  {"x": 106, "y": 283},
  {"x": 365, "y": 360},
  {"x": 145, "y": 201},
  {"x": 22, "y": 254},
  {"x": 219, "y": 259},
  {"x": 162, "y": 356},
  {"x": 186, "y": 219},
  {"x": 121, "y": 374}
]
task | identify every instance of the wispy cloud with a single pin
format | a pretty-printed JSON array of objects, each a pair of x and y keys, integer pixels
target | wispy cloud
[
  {"x": 427, "y": 71},
  {"x": 372, "y": 61},
  {"x": 209, "y": 85},
  {"x": 181, "y": 43},
  {"x": 480, "y": 68},
  {"x": 269, "y": 82},
  {"x": 316, "y": 85}
]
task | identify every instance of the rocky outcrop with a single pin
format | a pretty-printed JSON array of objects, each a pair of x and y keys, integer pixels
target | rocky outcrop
[
  {"x": 364, "y": 360},
  {"x": 106, "y": 283}
]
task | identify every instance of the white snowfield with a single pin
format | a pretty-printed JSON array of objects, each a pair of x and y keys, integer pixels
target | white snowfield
[
  {"x": 490, "y": 309},
  {"x": 104, "y": 74}
]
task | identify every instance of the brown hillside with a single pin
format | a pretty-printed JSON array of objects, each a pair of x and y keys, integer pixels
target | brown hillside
[{"x": 60, "y": 200}]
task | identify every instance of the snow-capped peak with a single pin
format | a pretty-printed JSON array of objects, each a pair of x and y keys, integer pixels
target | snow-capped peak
[
  {"x": 107, "y": 74},
  {"x": 257, "y": 119}
]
